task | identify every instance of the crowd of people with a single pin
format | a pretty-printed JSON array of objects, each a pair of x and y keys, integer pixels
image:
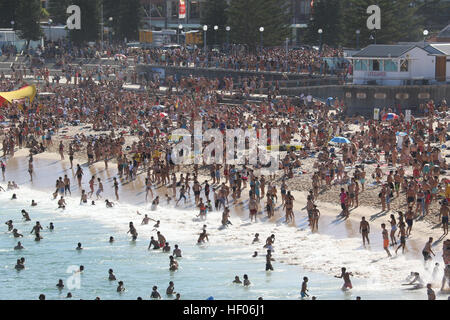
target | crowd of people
[{"x": 401, "y": 163}]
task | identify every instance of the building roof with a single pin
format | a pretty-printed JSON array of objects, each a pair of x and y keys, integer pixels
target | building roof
[
  {"x": 384, "y": 51},
  {"x": 444, "y": 33},
  {"x": 435, "y": 48}
]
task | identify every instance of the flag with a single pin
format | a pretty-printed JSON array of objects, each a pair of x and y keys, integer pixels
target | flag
[{"x": 182, "y": 10}]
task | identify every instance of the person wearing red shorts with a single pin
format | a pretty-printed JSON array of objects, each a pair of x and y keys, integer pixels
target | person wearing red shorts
[{"x": 385, "y": 239}]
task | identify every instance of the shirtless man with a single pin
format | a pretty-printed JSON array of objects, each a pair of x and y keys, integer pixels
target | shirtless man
[
  {"x": 346, "y": 276},
  {"x": 203, "y": 236},
  {"x": 66, "y": 185},
  {"x": 364, "y": 229},
  {"x": 253, "y": 207},
  {"x": 385, "y": 235},
  {"x": 427, "y": 250},
  {"x": 132, "y": 230},
  {"x": 177, "y": 252},
  {"x": 173, "y": 264}
]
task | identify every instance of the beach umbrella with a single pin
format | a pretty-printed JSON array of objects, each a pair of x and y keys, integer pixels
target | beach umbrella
[
  {"x": 158, "y": 107},
  {"x": 340, "y": 140},
  {"x": 390, "y": 116},
  {"x": 120, "y": 56},
  {"x": 401, "y": 134},
  {"x": 162, "y": 114}
]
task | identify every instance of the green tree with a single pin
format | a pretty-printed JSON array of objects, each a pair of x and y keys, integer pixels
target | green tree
[
  {"x": 215, "y": 15},
  {"x": 7, "y": 8},
  {"x": 90, "y": 21},
  {"x": 435, "y": 13},
  {"x": 127, "y": 16},
  {"x": 27, "y": 14},
  {"x": 328, "y": 16},
  {"x": 58, "y": 11},
  {"x": 399, "y": 22},
  {"x": 245, "y": 17}
]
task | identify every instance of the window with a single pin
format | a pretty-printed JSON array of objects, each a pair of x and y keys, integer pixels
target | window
[
  {"x": 404, "y": 65},
  {"x": 360, "y": 65},
  {"x": 374, "y": 65},
  {"x": 390, "y": 66}
]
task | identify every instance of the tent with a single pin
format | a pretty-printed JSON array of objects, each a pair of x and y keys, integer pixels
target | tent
[{"x": 25, "y": 92}]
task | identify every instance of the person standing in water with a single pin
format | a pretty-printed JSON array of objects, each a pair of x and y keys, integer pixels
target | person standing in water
[
  {"x": 132, "y": 230},
  {"x": 385, "y": 235},
  {"x": 116, "y": 188},
  {"x": 303, "y": 293},
  {"x": 346, "y": 276},
  {"x": 364, "y": 229},
  {"x": 427, "y": 250}
]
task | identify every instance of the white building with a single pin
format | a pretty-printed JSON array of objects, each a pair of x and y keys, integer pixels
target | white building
[
  {"x": 395, "y": 65},
  {"x": 442, "y": 53}
]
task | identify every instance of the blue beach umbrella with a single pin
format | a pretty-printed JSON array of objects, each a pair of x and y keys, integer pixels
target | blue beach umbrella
[
  {"x": 401, "y": 134},
  {"x": 340, "y": 140}
]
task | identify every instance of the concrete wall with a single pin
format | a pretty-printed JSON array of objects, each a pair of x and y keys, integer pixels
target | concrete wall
[
  {"x": 303, "y": 79},
  {"x": 362, "y": 99}
]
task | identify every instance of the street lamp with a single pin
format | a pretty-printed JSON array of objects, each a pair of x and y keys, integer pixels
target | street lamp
[
  {"x": 50, "y": 21},
  {"x": 110, "y": 19},
  {"x": 180, "y": 27},
  {"x": 320, "y": 31},
  {"x": 358, "y": 32},
  {"x": 14, "y": 34},
  {"x": 261, "y": 30},
  {"x": 373, "y": 38},
  {"x": 205, "y": 28},
  {"x": 215, "y": 33},
  {"x": 425, "y": 34},
  {"x": 227, "y": 28}
]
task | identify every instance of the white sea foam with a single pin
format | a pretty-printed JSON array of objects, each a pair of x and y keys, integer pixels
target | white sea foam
[{"x": 316, "y": 253}]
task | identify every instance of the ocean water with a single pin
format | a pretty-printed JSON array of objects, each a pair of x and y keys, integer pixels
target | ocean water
[{"x": 206, "y": 270}]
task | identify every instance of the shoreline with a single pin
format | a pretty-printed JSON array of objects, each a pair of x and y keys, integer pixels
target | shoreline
[{"x": 133, "y": 193}]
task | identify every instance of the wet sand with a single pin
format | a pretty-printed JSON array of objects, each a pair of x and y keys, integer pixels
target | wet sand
[{"x": 48, "y": 167}]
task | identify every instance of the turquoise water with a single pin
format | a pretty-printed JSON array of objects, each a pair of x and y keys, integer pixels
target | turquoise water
[{"x": 204, "y": 270}]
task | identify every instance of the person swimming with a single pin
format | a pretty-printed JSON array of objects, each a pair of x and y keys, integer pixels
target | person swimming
[
  {"x": 166, "y": 247},
  {"x": 177, "y": 252},
  {"x": 154, "y": 243},
  {"x": 155, "y": 294},
  {"x": 111, "y": 275},
  {"x": 255, "y": 254},
  {"x": 25, "y": 215},
  {"x": 33, "y": 203},
  {"x": 16, "y": 234},
  {"x": 246, "y": 280},
  {"x": 109, "y": 204},
  {"x": 51, "y": 227},
  {"x": 237, "y": 280},
  {"x": 256, "y": 239},
  {"x": 173, "y": 264},
  {"x": 60, "y": 284},
  {"x": 120, "y": 288},
  {"x": 19, "y": 265},
  {"x": 170, "y": 289},
  {"x": 9, "y": 223},
  {"x": 79, "y": 246},
  {"x": 18, "y": 246},
  {"x": 111, "y": 239}
]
